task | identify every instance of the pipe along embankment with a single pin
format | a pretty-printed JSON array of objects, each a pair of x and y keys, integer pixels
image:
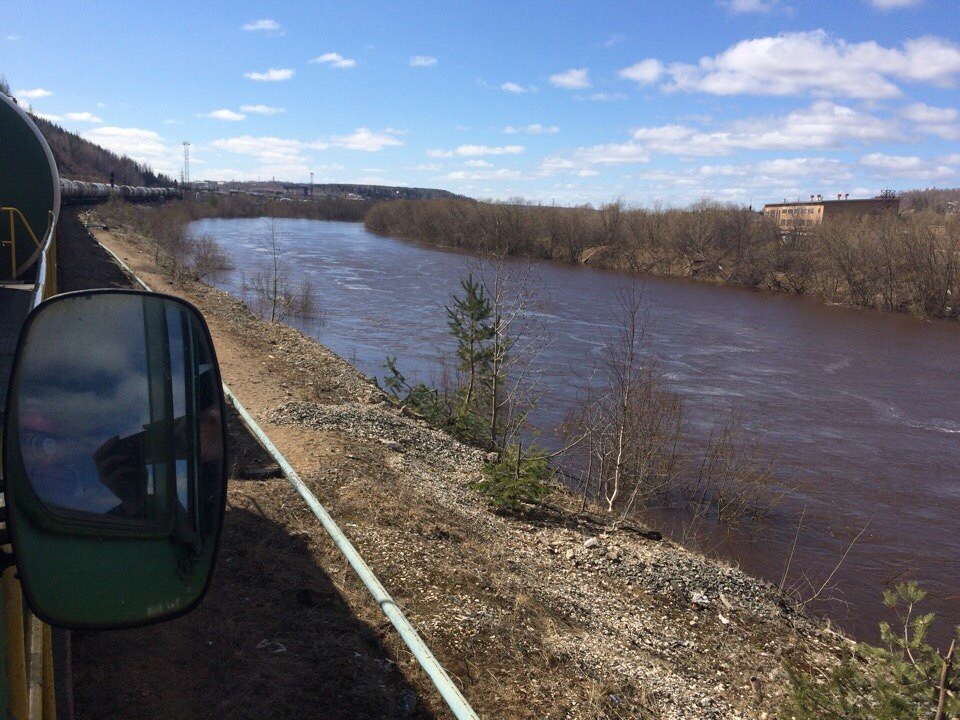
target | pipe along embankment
[{"x": 431, "y": 665}]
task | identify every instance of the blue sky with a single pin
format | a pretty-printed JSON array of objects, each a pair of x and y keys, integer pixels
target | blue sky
[{"x": 750, "y": 101}]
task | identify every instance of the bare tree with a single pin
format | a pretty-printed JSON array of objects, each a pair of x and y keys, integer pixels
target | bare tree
[
  {"x": 628, "y": 426},
  {"x": 278, "y": 294},
  {"x": 736, "y": 479},
  {"x": 208, "y": 258}
]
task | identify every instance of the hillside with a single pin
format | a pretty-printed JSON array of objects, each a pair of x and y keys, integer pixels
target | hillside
[
  {"x": 80, "y": 159},
  {"x": 351, "y": 191},
  {"x": 939, "y": 200}
]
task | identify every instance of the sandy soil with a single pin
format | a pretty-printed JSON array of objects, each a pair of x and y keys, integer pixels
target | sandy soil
[{"x": 544, "y": 616}]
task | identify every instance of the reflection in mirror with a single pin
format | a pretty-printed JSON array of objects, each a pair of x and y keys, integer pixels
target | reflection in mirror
[{"x": 124, "y": 427}]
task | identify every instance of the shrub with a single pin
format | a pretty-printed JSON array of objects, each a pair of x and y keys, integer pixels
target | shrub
[
  {"x": 515, "y": 478},
  {"x": 899, "y": 680}
]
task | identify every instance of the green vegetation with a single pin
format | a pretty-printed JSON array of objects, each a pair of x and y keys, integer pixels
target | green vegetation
[
  {"x": 475, "y": 409},
  {"x": 515, "y": 478},
  {"x": 904, "y": 678},
  {"x": 621, "y": 442}
]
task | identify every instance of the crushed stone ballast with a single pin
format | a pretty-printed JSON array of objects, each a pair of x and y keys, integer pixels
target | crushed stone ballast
[{"x": 448, "y": 690}]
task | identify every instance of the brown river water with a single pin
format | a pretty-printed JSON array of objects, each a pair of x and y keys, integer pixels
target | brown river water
[{"x": 860, "y": 408}]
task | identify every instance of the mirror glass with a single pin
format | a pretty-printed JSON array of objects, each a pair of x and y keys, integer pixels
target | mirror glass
[
  {"x": 114, "y": 458},
  {"x": 118, "y": 413}
]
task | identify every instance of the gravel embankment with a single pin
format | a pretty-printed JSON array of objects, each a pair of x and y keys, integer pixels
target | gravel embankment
[
  {"x": 700, "y": 639},
  {"x": 540, "y": 616}
]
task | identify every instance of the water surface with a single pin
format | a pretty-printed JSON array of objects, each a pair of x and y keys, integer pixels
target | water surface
[{"x": 861, "y": 407}]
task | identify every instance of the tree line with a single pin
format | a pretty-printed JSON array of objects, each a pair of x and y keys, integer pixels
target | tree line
[{"x": 906, "y": 262}]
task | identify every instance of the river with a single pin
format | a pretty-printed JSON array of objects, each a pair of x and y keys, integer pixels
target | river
[{"x": 860, "y": 408}]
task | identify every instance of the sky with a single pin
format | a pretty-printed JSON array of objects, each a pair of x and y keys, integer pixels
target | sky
[{"x": 746, "y": 101}]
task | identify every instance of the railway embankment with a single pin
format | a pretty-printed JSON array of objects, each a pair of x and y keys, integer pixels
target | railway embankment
[{"x": 541, "y": 615}]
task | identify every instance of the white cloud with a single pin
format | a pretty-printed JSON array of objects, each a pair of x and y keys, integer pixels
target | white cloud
[
  {"x": 48, "y": 117},
  {"x": 33, "y": 94},
  {"x": 225, "y": 114},
  {"x": 901, "y": 167},
  {"x": 271, "y": 75},
  {"x": 587, "y": 173},
  {"x": 816, "y": 63},
  {"x": 749, "y": 6},
  {"x": 572, "y": 79},
  {"x": 262, "y": 109},
  {"x": 266, "y": 147},
  {"x": 335, "y": 60},
  {"x": 894, "y": 4},
  {"x": 512, "y": 87},
  {"x": 142, "y": 145},
  {"x": 898, "y": 163},
  {"x": 83, "y": 117},
  {"x": 364, "y": 139},
  {"x": 799, "y": 167},
  {"x": 781, "y": 177},
  {"x": 584, "y": 158},
  {"x": 477, "y": 151},
  {"x": 501, "y": 174},
  {"x": 13, "y": 38},
  {"x": 823, "y": 125},
  {"x": 614, "y": 39},
  {"x": 607, "y": 97},
  {"x": 422, "y": 61},
  {"x": 944, "y": 122},
  {"x": 277, "y": 156},
  {"x": 532, "y": 129},
  {"x": 478, "y": 164},
  {"x": 266, "y": 25},
  {"x": 285, "y": 157},
  {"x": 644, "y": 72}
]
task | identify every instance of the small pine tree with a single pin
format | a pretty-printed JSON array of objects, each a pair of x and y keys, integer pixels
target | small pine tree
[
  {"x": 899, "y": 680},
  {"x": 515, "y": 478},
  {"x": 469, "y": 320},
  {"x": 421, "y": 399}
]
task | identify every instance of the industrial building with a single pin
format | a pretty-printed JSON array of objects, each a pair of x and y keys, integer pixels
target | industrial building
[{"x": 798, "y": 215}]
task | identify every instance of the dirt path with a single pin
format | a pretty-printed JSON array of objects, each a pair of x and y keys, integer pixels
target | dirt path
[
  {"x": 543, "y": 616},
  {"x": 274, "y": 637}
]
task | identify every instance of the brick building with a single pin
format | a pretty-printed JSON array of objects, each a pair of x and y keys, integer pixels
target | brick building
[{"x": 798, "y": 215}]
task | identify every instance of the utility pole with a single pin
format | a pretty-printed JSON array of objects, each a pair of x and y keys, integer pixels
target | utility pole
[{"x": 186, "y": 162}]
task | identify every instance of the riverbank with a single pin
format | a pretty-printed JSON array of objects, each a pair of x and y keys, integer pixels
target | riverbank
[
  {"x": 904, "y": 263},
  {"x": 542, "y": 616}
]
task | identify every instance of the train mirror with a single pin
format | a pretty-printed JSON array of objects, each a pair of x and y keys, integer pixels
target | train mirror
[{"x": 114, "y": 459}]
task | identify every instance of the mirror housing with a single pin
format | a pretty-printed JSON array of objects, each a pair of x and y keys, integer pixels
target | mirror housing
[{"x": 114, "y": 459}]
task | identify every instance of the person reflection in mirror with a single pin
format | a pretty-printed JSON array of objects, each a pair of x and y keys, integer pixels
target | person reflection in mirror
[{"x": 122, "y": 469}]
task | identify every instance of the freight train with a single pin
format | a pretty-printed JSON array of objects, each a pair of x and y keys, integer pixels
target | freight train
[{"x": 74, "y": 192}]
